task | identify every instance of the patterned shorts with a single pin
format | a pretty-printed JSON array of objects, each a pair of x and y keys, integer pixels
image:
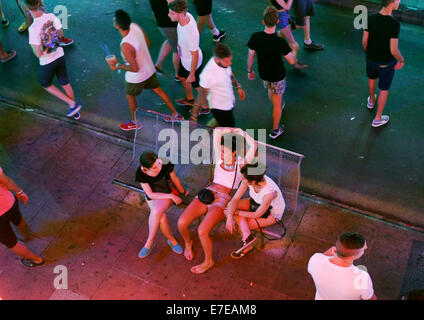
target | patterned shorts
[{"x": 278, "y": 87}]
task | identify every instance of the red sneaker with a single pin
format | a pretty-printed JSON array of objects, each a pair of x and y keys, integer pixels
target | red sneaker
[
  {"x": 65, "y": 42},
  {"x": 127, "y": 126}
]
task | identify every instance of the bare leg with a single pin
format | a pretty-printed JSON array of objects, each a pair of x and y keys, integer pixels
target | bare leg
[
  {"x": 382, "y": 100},
  {"x": 307, "y": 29},
  {"x": 69, "y": 92},
  {"x": 194, "y": 210},
  {"x": 372, "y": 86},
  {"x": 23, "y": 251},
  {"x": 159, "y": 208},
  {"x": 188, "y": 89},
  {"x": 59, "y": 94},
  {"x": 24, "y": 230},
  {"x": 277, "y": 100},
  {"x": 162, "y": 94},
  {"x": 166, "y": 229},
  {"x": 176, "y": 61},
  {"x": 165, "y": 49},
  {"x": 212, "y": 218},
  {"x": 132, "y": 105},
  {"x": 288, "y": 35}
]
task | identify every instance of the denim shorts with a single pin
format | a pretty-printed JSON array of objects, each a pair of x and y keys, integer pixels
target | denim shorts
[
  {"x": 384, "y": 74},
  {"x": 56, "y": 68},
  {"x": 283, "y": 19}
]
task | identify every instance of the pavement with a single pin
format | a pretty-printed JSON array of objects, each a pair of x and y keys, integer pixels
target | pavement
[
  {"x": 346, "y": 160},
  {"x": 95, "y": 229}
]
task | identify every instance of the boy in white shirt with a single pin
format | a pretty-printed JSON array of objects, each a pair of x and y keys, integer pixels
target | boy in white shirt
[
  {"x": 44, "y": 36},
  {"x": 335, "y": 276}
]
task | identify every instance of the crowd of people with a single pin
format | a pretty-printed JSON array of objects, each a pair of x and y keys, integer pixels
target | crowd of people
[{"x": 214, "y": 83}]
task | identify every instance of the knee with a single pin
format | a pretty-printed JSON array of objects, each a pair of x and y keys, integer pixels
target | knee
[
  {"x": 295, "y": 46},
  {"x": 203, "y": 231}
]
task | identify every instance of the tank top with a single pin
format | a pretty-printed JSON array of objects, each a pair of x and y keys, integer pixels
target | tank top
[
  {"x": 276, "y": 5},
  {"x": 278, "y": 205},
  {"x": 7, "y": 199},
  {"x": 144, "y": 61},
  {"x": 226, "y": 178}
]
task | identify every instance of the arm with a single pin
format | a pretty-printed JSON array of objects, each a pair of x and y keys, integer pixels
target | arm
[
  {"x": 194, "y": 61},
  {"x": 365, "y": 37},
  {"x": 129, "y": 53},
  {"x": 159, "y": 195},
  {"x": 250, "y": 60},
  {"x": 262, "y": 208},
  {"x": 11, "y": 185},
  {"x": 252, "y": 144},
  {"x": 232, "y": 205},
  {"x": 177, "y": 182},
  {"x": 290, "y": 58},
  {"x": 237, "y": 85},
  {"x": 38, "y": 52},
  {"x": 286, "y": 5},
  {"x": 394, "y": 50}
]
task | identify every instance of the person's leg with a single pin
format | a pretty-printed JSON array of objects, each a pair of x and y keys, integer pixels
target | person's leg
[
  {"x": 23, "y": 251},
  {"x": 193, "y": 211},
  {"x": 157, "y": 210},
  {"x": 166, "y": 229},
  {"x": 288, "y": 35},
  {"x": 60, "y": 95},
  {"x": 132, "y": 105},
  {"x": 176, "y": 62},
  {"x": 212, "y": 218},
  {"x": 372, "y": 86},
  {"x": 164, "y": 51},
  {"x": 307, "y": 30},
  {"x": 277, "y": 100},
  {"x": 201, "y": 21},
  {"x": 69, "y": 91},
  {"x": 24, "y": 230},
  {"x": 381, "y": 104},
  {"x": 165, "y": 98}
]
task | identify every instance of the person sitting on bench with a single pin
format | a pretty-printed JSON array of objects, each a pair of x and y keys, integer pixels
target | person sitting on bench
[
  {"x": 212, "y": 201},
  {"x": 264, "y": 207},
  {"x": 154, "y": 176}
]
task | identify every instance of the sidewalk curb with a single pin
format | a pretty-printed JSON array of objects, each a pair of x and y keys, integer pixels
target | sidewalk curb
[{"x": 307, "y": 190}]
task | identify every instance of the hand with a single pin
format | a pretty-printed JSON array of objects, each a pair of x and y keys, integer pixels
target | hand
[
  {"x": 251, "y": 75},
  {"x": 22, "y": 197},
  {"x": 191, "y": 78},
  {"x": 331, "y": 252},
  {"x": 229, "y": 225},
  {"x": 112, "y": 62},
  {"x": 399, "y": 65},
  {"x": 177, "y": 200},
  {"x": 186, "y": 193},
  {"x": 241, "y": 93}
]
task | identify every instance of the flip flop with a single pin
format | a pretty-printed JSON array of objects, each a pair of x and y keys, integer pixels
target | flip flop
[
  {"x": 12, "y": 54},
  {"x": 236, "y": 255}
]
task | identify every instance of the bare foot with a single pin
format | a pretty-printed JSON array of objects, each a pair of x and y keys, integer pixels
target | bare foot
[
  {"x": 188, "y": 252},
  {"x": 203, "y": 267},
  {"x": 300, "y": 66}
]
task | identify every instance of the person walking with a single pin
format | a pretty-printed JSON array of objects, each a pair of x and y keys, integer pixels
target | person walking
[
  {"x": 304, "y": 10},
  {"x": 204, "y": 16}
]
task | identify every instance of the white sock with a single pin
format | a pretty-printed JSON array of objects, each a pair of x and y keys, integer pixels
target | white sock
[
  {"x": 308, "y": 41},
  {"x": 215, "y": 31}
]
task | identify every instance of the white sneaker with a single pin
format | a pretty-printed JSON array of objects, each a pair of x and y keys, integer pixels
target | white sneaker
[
  {"x": 371, "y": 105},
  {"x": 377, "y": 123}
]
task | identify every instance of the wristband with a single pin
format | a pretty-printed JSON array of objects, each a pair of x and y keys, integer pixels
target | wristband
[
  {"x": 20, "y": 192},
  {"x": 117, "y": 65}
]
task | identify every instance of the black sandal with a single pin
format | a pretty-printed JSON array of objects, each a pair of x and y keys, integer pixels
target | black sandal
[
  {"x": 236, "y": 255},
  {"x": 32, "y": 264},
  {"x": 239, "y": 253}
]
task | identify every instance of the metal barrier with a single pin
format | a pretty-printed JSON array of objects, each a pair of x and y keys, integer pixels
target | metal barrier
[{"x": 283, "y": 166}]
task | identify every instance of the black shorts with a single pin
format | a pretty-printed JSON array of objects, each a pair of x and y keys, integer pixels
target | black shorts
[
  {"x": 7, "y": 236},
  {"x": 182, "y": 72},
  {"x": 56, "y": 68},
  {"x": 384, "y": 74},
  {"x": 203, "y": 7},
  {"x": 225, "y": 118},
  {"x": 302, "y": 9},
  {"x": 253, "y": 206}
]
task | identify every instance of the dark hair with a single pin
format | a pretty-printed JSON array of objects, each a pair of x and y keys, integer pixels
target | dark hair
[
  {"x": 233, "y": 143},
  {"x": 33, "y": 4},
  {"x": 206, "y": 196},
  {"x": 122, "y": 19},
  {"x": 222, "y": 51},
  {"x": 270, "y": 16},
  {"x": 148, "y": 158},
  {"x": 178, "y": 6},
  {"x": 386, "y": 3},
  {"x": 253, "y": 177},
  {"x": 349, "y": 241}
]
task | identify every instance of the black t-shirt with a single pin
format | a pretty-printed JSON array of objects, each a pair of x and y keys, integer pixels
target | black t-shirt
[
  {"x": 161, "y": 10},
  {"x": 270, "y": 49},
  {"x": 381, "y": 29},
  {"x": 160, "y": 182}
]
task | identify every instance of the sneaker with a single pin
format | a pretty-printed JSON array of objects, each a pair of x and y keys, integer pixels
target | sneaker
[
  {"x": 177, "y": 248},
  {"x": 72, "y": 111},
  {"x": 4, "y": 22},
  {"x": 370, "y": 105},
  {"x": 177, "y": 118},
  {"x": 63, "y": 42},
  {"x": 221, "y": 35},
  {"x": 32, "y": 264},
  {"x": 127, "y": 126},
  {"x": 77, "y": 116},
  {"x": 9, "y": 56},
  {"x": 159, "y": 71},
  {"x": 313, "y": 46},
  {"x": 185, "y": 102},
  {"x": 276, "y": 133},
  {"x": 23, "y": 27},
  {"x": 144, "y": 252},
  {"x": 237, "y": 254},
  {"x": 177, "y": 79},
  {"x": 203, "y": 110},
  {"x": 377, "y": 123}
]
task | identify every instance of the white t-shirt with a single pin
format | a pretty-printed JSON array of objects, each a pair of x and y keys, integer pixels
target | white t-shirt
[
  {"x": 278, "y": 204},
  {"x": 229, "y": 179},
  {"x": 333, "y": 282},
  {"x": 43, "y": 31},
  {"x": 7, "y": 199},
  {"x": 188, "y": 40},
  {"x": 144, "y": 61},
  {"x": 218, "y": 80}
]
